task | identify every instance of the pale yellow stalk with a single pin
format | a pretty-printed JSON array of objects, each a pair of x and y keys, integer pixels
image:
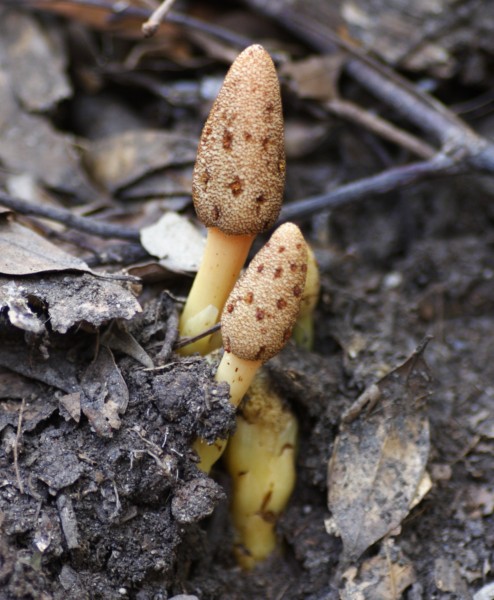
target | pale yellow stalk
[
  {"x": 260, "y": 458},
  {"x": 303, "y": 331}
]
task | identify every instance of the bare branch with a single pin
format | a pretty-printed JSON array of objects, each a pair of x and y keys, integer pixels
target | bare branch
[
  {"x": 392, "y": 179},
  {"x": 61, "y": 215},
  {"x": 351, "y": 111},
  {"x": 151, "y": 26}
]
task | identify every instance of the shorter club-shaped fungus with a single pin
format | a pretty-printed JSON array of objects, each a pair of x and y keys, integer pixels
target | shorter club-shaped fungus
[
  {"x": 237, "y": 185},
  {"x": 260, "y": 457},
  {"x": 258, "y": 318}
]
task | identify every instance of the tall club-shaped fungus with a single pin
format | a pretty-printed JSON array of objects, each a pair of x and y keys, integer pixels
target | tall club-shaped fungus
[
  {"x": 238, "y": 184},
  {"x": 258, "y": 317}
]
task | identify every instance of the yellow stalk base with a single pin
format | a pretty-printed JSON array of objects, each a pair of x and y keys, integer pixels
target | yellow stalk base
[
  {"x": 303, "y": 331},
  {"x": 260, "y": 457},
  {"x": 239, "y": 374},
  {"x": 224, "y": 257}
]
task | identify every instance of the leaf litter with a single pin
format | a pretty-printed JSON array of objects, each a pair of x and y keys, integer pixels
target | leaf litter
[{"x": 379, "y": 457}]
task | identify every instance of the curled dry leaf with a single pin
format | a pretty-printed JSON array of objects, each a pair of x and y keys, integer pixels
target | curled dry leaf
[
  {"x": 175, "y": 241},
  {"x": 379, "y": 457}
]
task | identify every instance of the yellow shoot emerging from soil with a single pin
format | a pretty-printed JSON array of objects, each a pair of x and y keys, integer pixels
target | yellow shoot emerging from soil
[{"x": 260, "y": 458}]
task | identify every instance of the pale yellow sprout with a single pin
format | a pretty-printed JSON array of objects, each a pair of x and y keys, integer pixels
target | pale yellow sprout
[
  {"x": 260, "y": 458},
  {"x": 258, "y": 317},
  {"x": 238, "y": 184},
  {"x": 303, "y": 331}
]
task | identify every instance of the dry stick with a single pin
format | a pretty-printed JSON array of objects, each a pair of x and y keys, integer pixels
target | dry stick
[
  {"x": 61, "y": 215},
  {"x": 387, "y": 181},
  {"x": 190, "y": 340},
  {"x": 151, "y": 26},
  {"x": 353, "y": 112},
  {"x": 16, "y": 447},
  {"x": 462, "y": 149}
]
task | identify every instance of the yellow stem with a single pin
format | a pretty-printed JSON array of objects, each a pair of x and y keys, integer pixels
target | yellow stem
[
  {"x": 261, "y": 461},
  {"x": 239, "y": 373},
  {"x": 224, "y": 257}
]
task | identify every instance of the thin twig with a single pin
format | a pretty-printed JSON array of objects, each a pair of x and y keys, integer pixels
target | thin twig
[
  {"x": 151, "y": 26},
  {"x": 61, "y": 215},
  {"x": 16, "y": 447},
  {"x": 190, "y": 340},
  {"x": 392, "y": 179},
  {"x": 385, "y": 129}
]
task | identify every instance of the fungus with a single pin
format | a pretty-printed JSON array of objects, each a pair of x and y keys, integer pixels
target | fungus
[
  {"x": 237, "y": 185},
  {"x": 303, "y": 331},
  {"x": 260, "y": 457},
  {"x": 258, "y": 318}
]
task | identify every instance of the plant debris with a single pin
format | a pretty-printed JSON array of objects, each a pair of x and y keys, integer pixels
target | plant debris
[{"x": 379, "y": 457}]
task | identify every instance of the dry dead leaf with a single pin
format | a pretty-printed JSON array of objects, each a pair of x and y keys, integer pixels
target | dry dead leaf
[
  {"x": 35, "y": 61},
  {"x": 24, "y": 252},
  {"x": 51, "y": 367},
  {"x": 380, "y": 456},
  {"x": 382, "y": 577},
  {"x": 64, "y": 300},
  {"x": 316, "y": 77},
  {"x": 176, "y": 242},
  {"x": 73, "y": 296},
  {"x": 120, "y": 160},
  {"x": 70, "y": 406},
  {"x": 38, "y": 406},
  {"x": 118, "y": 338},
  {"x": 30, "y": 144}
]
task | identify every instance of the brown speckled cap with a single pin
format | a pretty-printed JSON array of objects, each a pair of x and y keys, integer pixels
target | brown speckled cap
[
  {"x": 239, "y": 173},
  {"x": 260, "y": 312}
]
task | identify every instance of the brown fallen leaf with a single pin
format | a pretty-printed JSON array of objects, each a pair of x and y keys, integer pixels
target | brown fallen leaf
[
  {"x": 30, "y": 144},
  {"x": 379, "y": 457},
  {"x": 24, "y": 252},
  {"x": 382, "y": 577},
  {"x": 66, "y": 291},
  {"x": 35, "y": 60},
  {"x": 122, "y": 159},
  {"x": 315, "y": 77}
]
